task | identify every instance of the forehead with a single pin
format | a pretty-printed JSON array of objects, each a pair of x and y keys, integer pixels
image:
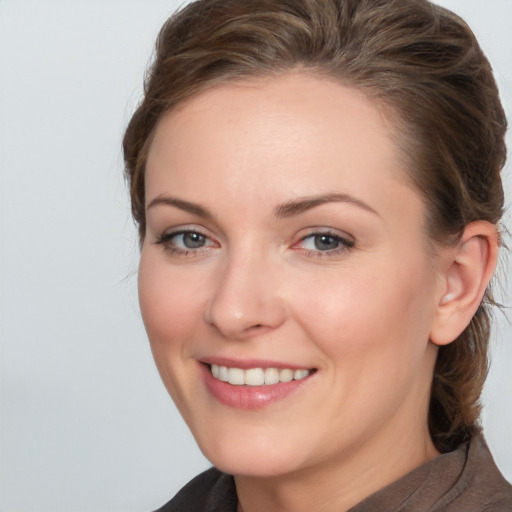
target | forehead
[{"x": 272, "y": 138}]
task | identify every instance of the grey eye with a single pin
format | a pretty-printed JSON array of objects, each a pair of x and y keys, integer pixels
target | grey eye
[
  {"x": 192, "y": 240},
  {"x": 326, "y": 242},
  {"x": 322, "y": 242}
]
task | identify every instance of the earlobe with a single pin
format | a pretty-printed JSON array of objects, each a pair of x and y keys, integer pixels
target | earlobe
[{"x": 472, "y": 263}]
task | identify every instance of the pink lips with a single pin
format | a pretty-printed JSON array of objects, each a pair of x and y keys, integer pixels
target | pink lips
[{"x": 248, "y": 397}]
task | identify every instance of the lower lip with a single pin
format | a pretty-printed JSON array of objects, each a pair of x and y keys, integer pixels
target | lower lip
[{"x": 249, "y": 397}]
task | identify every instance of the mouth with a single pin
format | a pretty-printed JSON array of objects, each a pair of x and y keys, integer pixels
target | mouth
[{"x": 257, "y": 376}]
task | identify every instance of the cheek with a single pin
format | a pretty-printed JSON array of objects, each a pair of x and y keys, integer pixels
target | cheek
[
  {"x": 361, "y": 312},
  {"x": 170, "y": 303},
  {"x": 372, "y": 330}
]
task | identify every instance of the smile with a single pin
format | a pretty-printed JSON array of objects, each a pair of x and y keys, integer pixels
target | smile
[{"x": 257, "y": 376}]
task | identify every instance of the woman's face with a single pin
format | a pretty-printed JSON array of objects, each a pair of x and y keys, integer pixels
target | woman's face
[{"x": 283, "y": 242}]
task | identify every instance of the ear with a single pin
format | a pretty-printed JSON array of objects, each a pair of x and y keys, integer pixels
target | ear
[{"x": 469, "y": 268}]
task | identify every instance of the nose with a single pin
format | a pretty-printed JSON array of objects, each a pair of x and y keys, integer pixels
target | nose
[{"x": 245, "y": 300}]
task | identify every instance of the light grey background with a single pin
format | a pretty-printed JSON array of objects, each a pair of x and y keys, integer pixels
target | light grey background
[{"x": 85, "y": 422}]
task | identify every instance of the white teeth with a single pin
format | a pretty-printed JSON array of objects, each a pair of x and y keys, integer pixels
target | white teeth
[
  {"x": 271, "y": 376},
  {"x": 236, "y": 376},
  {"x": 300, "y": 374},
  {"x": 285, "y": 375},
  {"x": 256, "y": 376},
  {"x": 223, "y": 373}
]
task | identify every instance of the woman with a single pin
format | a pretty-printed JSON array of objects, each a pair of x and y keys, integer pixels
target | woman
[{"x": 317, "y": 189}]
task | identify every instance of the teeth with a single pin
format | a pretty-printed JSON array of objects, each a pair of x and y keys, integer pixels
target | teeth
[
  {"x": 256, "y": 376},
  {"x": 300, "y": 374},
  {"x": 223, "y": 374},
  {"x": 236, "y": 376},
  {"x": 271, "y": 376},
  {"x": 286, "y": 375}
]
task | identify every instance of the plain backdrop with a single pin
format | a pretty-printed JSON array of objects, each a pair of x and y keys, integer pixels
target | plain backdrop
[{"x": 85, "y": 422}]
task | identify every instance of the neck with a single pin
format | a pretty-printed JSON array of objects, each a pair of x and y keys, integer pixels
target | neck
[{"x": 339, "y": 484}]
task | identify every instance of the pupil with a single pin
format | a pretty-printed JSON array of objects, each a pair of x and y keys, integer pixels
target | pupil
[
  {"x": 325, "y": 242},
  {"x": 193, "y": 240}
]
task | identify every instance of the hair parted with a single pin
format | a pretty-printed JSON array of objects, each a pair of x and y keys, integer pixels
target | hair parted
[{"x": 420, "y": 62}]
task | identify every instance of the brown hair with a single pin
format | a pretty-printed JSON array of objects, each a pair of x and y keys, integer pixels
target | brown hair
[{"x": 418, "y": 60}]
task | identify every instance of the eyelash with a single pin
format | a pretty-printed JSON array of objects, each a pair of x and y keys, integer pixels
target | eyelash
[
  {"x": 165, "y": 240},
  {"x": 344, "y": 244}
]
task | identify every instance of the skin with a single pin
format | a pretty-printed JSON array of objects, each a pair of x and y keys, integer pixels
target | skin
[{"x": 362, "y": 313}]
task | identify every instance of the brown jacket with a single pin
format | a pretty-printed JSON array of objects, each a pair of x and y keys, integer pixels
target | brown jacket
[{"x": 465, "y": 480}]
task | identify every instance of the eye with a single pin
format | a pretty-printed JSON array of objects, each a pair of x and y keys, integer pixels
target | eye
[
  {"x": 189, "y": 240},
  {"x": 325, "y": 242},
  {"x": 184, "y": 241}
]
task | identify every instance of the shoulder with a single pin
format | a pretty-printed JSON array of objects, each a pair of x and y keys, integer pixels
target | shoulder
[
  {"x": 481, "y": 487},
  {"x": 464, "y": 480},
  {"x": 211, "y": 491}
]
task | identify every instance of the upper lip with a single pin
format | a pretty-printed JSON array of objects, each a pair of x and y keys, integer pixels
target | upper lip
[{"x": 246, "y": 364}]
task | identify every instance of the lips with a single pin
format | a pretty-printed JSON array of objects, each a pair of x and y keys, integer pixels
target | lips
[{"x": 255, "y": 385}]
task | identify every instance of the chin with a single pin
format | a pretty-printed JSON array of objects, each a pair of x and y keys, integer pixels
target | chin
[
  {"x": 268, "y": 466},
  {"x": 256, "y": 457}
]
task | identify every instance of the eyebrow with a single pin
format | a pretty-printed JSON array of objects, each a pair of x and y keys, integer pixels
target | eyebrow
[
  {"x": 297, "y": 206},
  {"x": 187, "y": 206},
  {"x": 287, "y": 209}
]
